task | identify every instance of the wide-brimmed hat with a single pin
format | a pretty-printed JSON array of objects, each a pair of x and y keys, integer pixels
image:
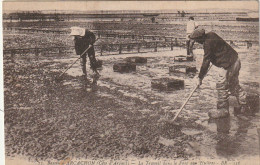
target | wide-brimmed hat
[
  {"x": 77, "y": 31},
  {"x": 197, "y": 33}
]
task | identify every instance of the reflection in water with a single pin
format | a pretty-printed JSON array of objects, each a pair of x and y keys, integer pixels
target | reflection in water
[
  {"x": 226, "y": 144},
  {"x": 229, "y": 144},
  {"x": 223, "y": 125}
]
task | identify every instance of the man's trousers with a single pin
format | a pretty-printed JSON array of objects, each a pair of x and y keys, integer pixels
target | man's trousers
[
  {"x": 189, "y": 46},
  {"x": 228, "y": 82},
  {"x": 92, "y": 59}
]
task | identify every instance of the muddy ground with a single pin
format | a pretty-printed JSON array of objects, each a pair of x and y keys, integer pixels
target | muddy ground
[{"x": 116, "y": 116}]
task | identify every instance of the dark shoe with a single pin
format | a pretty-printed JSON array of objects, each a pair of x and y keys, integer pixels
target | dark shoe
[
  {"x": 84, "y": 70},
  {"x": 218, "y": 113}
]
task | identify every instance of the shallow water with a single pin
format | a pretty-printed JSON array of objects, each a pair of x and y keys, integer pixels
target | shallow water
[{"x": 129, "y": 109}]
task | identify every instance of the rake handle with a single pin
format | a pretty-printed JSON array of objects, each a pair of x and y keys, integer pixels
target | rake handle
[
  {"x": 185, "y": 103},
  {"x": 75, "y": 61},
  {"x": 179, "y": 111}
]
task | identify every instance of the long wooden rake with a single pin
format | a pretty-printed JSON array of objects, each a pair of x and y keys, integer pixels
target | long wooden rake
[
  {"x": 73, "y": 62},
  {"x": 183, "y": 105}
]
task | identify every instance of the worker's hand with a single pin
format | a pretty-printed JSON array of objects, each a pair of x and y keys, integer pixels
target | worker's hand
[{"x": 199, "y": 82}]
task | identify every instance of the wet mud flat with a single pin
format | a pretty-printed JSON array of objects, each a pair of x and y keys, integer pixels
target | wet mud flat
[{"x": 116, "y": 115}]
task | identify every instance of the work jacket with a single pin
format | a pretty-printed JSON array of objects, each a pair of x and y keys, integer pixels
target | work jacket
[
  {"x": 82, "y": 43},
  {"x": 218, "y": 52},
  {"x": 191, "y": 26}
]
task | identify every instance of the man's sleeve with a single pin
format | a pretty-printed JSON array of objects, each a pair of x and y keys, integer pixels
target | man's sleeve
[
  {"x": 206, "y": 60},
  {"x": 196, "y": 25},
  {"x": 77, "y": 47},
  {"x": 92, "y": 38}
]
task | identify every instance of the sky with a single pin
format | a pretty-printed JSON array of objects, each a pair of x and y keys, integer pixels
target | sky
[{"x": 130, "y": 5}]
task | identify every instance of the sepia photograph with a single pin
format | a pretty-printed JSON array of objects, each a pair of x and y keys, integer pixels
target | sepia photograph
[{"x": 131, "y": 82}]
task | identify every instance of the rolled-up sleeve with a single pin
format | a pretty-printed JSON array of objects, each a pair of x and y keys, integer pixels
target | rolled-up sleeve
[{"x": 206, "y": 60}]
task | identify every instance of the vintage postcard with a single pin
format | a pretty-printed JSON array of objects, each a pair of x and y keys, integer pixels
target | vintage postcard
[{"x": 131, "y": 82}]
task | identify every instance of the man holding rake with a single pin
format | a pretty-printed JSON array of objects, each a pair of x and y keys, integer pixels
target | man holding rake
[
  {"x": 222, "y": 55},
  {"x": 84, "y": 39}
]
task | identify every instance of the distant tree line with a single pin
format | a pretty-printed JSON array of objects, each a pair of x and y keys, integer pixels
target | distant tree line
[{"x": 31, "y": 15}]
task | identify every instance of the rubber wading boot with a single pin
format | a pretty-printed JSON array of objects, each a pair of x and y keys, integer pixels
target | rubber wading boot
[
  {"x": 84, "y": 70},
  {"x": 218, "y": 113}
]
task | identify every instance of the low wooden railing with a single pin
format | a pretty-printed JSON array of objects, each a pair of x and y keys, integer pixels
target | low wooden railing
[{"x": 102, "y": 49}]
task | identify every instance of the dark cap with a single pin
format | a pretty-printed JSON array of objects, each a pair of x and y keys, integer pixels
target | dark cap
[{"x": 197, "y": 33}]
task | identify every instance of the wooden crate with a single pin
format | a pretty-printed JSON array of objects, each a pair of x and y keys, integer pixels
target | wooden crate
[
  {"x": 191, "y": 69},
  {"x": 140, "y": 60},
  {"x": 177, "y": 69},
  {"x": 180, "y": 58},
  {"x": 182, "y": 69},
  {"x": 167, "y": 84},
  {"x": 124, "y": 67}
]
